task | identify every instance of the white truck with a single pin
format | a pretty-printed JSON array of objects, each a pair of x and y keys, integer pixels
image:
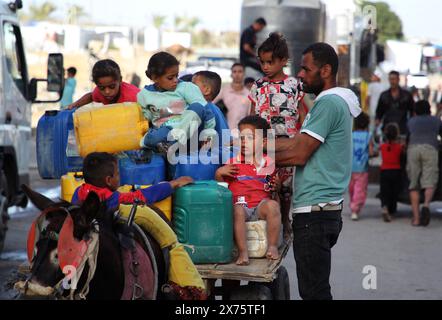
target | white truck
[{"x": 17, "y": 93}]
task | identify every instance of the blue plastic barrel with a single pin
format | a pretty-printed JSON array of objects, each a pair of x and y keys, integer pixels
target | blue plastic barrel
[
  {"x": 198, "y": 166},
  {"x": 52, "y": 139},
  {"x": 147, "y": 173}
]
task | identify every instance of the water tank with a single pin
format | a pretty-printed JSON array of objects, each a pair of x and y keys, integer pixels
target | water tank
[{"x": 302, "y": 22}]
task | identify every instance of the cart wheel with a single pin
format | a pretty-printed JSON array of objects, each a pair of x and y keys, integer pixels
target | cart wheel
[
  {"x": 280, "y": 287},
  {"x": 253, "y": 291}
]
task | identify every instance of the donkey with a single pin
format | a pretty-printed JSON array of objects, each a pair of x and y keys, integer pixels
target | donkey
[{"x": 108, "y": 280}]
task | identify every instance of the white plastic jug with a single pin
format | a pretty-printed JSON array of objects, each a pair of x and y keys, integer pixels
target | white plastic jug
[{"x": 257, "y": 243}]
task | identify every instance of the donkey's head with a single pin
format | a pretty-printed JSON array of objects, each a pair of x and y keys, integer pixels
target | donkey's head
[{"x": 59, "y": 224}]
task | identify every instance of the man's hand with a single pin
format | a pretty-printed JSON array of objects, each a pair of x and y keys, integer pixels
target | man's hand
[
  {"x": 71, "y": 106},
  {"x": 295, "y": 151},
  {"x": 229, "y": 171},
  {"x": 274, "y": 185},
  {"x": 181, "y": 182}
]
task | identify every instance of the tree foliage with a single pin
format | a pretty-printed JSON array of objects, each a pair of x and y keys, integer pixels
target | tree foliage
[
  {"x": 186, "y": 24},
  {"x": 158, "y": 21},
  {"x": 75, "y": 13},
  {"x": 389, "y": 25},
  {"x": 42, "y": 12}
]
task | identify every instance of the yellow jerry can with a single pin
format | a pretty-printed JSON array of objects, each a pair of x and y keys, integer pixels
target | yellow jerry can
[
  {"x": 112, "y": 128},
  {"x": 69, "y": 183}
]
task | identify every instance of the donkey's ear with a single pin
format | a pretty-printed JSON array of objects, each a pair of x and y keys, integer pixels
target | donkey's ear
[
  {"x": 39, "y": 200},
  {"x": 91, "y": 207}
]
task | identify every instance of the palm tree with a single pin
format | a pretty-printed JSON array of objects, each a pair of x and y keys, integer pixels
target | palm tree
[
  {"x": 158, "y": 21},
  {"x": 75, "y": 13},
  {"x": 43, "y": 12},
  {"x": 178, "y": 21},
  {"x": 186, "y": 24}
]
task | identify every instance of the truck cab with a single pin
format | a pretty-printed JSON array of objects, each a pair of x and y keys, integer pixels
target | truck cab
[{"x": 17, "y": 93}]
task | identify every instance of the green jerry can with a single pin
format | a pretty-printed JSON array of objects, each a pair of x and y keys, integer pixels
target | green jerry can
[{"x": 203, "y": 220}]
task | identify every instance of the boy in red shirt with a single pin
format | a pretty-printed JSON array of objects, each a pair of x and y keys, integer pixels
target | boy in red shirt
[
  {"x": 391, "y": 174},
  {"x": 251, "y": 178},
  {"x": 102, "y": 177}
]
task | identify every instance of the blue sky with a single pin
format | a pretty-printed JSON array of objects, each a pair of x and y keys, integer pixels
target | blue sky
[{"x": 420, "y": 17}]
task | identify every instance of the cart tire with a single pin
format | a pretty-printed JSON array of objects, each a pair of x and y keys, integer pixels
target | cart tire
[
  {"x": 252, "y": 291},
  {"x": 280, "y": 287}
]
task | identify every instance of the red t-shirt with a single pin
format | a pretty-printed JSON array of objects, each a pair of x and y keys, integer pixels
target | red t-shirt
[
  {"x": 251, "y": 184},
  {"x": 391, "y": 156},
  {"x": 128, "y": 93}
]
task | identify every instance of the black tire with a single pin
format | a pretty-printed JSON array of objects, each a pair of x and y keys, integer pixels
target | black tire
[
  {"x": 4, "y": 195},
  {"x": 2, "y": 235},
  {"x": 280, "y": 287},
  {"x": 254, "y": 291}
]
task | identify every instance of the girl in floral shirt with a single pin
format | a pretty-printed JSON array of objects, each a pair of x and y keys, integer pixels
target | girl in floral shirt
[{"x": 276, "y": 98}]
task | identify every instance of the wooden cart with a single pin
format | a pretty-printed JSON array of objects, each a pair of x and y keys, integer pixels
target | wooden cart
[{"x": 267, "y": 280}]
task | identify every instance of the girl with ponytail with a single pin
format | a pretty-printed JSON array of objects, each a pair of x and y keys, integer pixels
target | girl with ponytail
[{"x": 276, "y": 98}]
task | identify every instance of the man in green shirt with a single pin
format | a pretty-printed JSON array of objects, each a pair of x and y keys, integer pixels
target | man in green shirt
[{"x": 322, "y": 154}]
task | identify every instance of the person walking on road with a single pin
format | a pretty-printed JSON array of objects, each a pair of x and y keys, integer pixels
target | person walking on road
[
  {"x": 423, "y": 159},
  {"x": 395, "y": 105},
  {"x": 391, "y": 174},
  {"x": 322, "y": 155},
  {"x": 363, "y": 149},
  {"x": 375, "y": 89}
]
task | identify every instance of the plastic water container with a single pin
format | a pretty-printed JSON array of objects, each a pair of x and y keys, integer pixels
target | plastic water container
[
  {"x": 69, "y": 183},
  {"x": 54, "y": 158},
  {"x": 202, "y": 167},
  {"x": 112, "y": 128},
  {"x": 133, "y": 173},
  {"x": 257, "y": 243},
  {"x": 195, "y": 166},
  {"x": 203, "y": 219}
]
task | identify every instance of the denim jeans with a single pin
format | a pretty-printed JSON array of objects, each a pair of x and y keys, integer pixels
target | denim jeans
[{"x": 314, "y": 235}]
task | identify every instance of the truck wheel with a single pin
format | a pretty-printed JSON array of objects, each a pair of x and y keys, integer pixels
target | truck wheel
[
  {"x": 2, "y": 235},
  {"x": 3, "y": 208},
  {"x": 253, "y": 291},
  {"x": 280, "y": 287}
]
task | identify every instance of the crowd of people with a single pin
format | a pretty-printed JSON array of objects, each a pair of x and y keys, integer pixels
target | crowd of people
[{"x": 401, "y": 129}]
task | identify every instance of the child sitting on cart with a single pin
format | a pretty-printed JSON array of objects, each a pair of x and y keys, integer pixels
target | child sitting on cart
[
  {"x": 100, "y": 171},
  {"x": 176, "y": 109},
  {"x": 251, "y": 178}
]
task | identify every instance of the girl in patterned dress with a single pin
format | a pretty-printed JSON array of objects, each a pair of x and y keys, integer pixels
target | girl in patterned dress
[{"x": 276, "y": 98}]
